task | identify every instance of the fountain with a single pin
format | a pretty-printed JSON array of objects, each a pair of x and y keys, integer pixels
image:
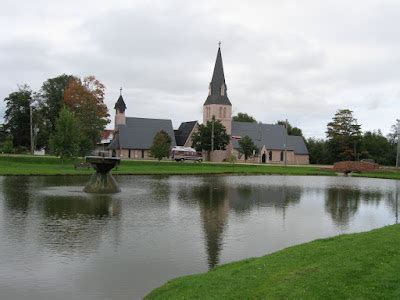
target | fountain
[{"x": 102, "y": 182}]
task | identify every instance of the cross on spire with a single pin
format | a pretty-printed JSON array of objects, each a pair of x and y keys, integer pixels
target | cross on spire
[
  {"x": 120, "y": 91},
  {"x": 219, "y": 44}
]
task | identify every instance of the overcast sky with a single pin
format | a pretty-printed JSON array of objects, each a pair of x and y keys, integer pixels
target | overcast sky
[{"x": 301, "y": 60}]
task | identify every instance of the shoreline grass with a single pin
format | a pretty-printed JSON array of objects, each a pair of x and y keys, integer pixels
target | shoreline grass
[
  {"x": 24, "y": 165},
  {"x": 362, "y": 266},
  {"x": 33, "y": 165}
]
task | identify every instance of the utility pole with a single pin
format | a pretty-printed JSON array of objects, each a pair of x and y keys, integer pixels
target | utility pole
[
  {"x": 212, "y": 135},
  {"x": 286, "y": 128},
  {"x": 31, "y": 125},
  {"x": 398, "y": 144}
]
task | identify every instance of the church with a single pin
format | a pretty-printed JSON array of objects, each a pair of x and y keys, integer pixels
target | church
[{"x": 133, "y": 136}]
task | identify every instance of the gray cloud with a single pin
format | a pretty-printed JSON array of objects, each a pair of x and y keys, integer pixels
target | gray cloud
[{"x": 282, "y": 59}]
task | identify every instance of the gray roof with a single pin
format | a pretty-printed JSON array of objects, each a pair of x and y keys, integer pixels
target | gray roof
[
  {"x": 182, "y": 134},
  {"x": 218, "y": 79},
  {"x": 297, "y": 144},
  {"x": 138, "y": 133},
  {"x": 271, "y": 135}
]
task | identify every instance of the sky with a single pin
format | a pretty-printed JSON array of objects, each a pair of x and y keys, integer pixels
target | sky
[{"x": 283, "y": 59}]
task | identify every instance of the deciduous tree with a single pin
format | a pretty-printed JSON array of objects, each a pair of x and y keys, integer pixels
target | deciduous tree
[
  {"x": 86, "y": 99},
  {"x": 290, "y": 129},
  {"x": 161, "y": 145},
  {"x": 247, "y": 147},
  {"x": 66, "y": 139},
  {"x": 17, "y": 116},
  {"x": 202, "y": 138},
  {"x": 243, "y": 117}
]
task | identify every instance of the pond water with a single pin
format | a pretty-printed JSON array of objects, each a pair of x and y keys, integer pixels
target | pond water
[{"x": 57, "y": 242}]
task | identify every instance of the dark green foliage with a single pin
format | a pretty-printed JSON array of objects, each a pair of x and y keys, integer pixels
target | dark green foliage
[
  {"x": 378, "y": 148},
  {"x": 243, "y": 117},
  {"x": 17, "y": 116},
  {"x": 161, "y": 145},
  {"x": 290, "y": 129},
  {"x": 202, "y": 138},
  {"x": 318, "y": 151},
  {"x": 51, "y": 100},
  {"x": 344, "y": 136},
  {"x": 7, "y": 145},
  {"x": 247, "y": 147},
  {"x": 66, "y": 138}
]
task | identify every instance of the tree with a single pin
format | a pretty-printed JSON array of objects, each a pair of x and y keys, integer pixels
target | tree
[
  {"x": 66, "y": 139},
  {"x": 318, "y": 151},
  {"x": 161, "y": 145},
  {"x": 86, "y": 99},
  {"x": 247, "y": 147},
  {"x": 243, "y": 117},
  {"x": 344, "y": 136},
  {"x": 378, "y": 148},
  {"x": 290, "y": 129},
  {"x": 17, "y": 116},
  {"x": 202, "y": 138}
]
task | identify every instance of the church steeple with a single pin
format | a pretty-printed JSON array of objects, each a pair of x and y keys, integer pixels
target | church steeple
[
  {"x": 120, "y": 104},
  {"x": 217, "y": 89},
  {"x": 217, "y": 104},
  {"x": 120, "y": 108}
]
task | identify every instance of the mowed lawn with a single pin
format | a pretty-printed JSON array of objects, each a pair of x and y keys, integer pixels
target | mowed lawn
[
  {"x": 33, "y": 165},
  {"x": 355, "y": 266}
]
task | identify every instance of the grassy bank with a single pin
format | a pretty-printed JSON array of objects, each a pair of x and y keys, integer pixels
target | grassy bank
[
  {"x": 36, "y": 165},
  {"x": 364, "y": 265},
  {"x": 31, "y": 165}
]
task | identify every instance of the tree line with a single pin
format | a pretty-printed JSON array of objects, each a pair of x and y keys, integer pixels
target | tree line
[{"x": 67, "y": 114}]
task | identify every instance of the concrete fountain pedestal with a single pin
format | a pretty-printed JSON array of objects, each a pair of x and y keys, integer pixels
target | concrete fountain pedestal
[{"x": 102, "y": 182}]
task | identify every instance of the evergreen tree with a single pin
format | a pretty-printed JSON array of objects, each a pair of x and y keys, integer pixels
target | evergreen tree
[
  {"x": 344, "y": 136},
  {"x": 161, "y": 145},
  {"x": 66, "y": 139},
  {"x": 247, "y": 147}
]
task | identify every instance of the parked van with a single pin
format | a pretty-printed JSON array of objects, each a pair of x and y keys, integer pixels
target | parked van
[{"x": 179, "y": 153}]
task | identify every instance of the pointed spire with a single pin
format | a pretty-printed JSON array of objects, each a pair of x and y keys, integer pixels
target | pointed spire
[
  {"x": 217, "y": 94},
  {"x": 120, "y": 104}
]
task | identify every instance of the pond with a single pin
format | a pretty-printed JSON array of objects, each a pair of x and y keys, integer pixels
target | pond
[{"x": 57, "y": 242}]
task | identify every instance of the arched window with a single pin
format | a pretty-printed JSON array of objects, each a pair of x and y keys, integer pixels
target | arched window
[
  {"x": 220, "y": 112},
  {"x": 282, "y": 154},
  {"x": 224, "y": 112},
  {"x": 222, "y": 90},
  {"x": 270, "y": 155}
]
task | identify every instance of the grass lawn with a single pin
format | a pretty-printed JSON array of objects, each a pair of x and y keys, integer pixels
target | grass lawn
[
  {"x": 363, "y": 266},
  {"x": 34, "y": 165}
]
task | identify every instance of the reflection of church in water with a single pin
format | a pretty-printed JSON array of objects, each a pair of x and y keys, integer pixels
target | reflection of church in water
[{"x": 217, "y": 200}]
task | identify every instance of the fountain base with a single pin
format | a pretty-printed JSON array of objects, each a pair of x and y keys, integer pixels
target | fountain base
[{"x": 102, "y": 182}]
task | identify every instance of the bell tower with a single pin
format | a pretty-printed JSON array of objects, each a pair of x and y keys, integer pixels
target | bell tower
[
  {"x": 120, "y": 108},
  {"x": 217, "y": 103}
]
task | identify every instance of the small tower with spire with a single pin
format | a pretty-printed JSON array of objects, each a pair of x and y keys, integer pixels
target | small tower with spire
[
  {"x": 217, "y": 103},
  {"x": 120, "y": 108}
]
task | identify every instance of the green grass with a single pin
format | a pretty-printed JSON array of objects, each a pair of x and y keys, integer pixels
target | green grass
[
  {"x": 31, "y": 165},
  {"x": 355, "y": 266}
]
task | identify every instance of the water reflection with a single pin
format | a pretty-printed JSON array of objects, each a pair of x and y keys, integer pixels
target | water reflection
[
  {"x": 343, "y": 203},
  {"x": 16, "y": 193}
]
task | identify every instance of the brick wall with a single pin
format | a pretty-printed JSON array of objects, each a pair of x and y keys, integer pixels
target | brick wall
[{"x": 354, "y": 166}]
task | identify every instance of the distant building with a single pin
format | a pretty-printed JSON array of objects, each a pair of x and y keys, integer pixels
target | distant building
[{"x": 133, "y": 137}]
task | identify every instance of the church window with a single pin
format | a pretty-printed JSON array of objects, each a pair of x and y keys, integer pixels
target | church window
[
  {"x": 224, "y": 112},
  {"x": 220, "y": 112},
  {"x": 270, "y": 155},
  {"x": 282, "y": 154},
  {"x": 222, "y": 90}
]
